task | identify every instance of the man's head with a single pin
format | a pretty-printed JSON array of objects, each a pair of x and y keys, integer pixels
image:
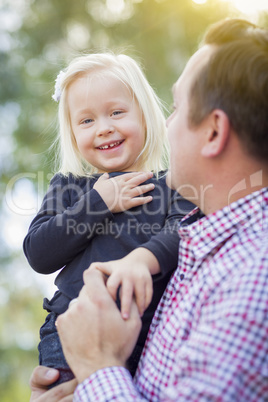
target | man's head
[
  {"x": 235, "y": 80},
  {"x": 221, "y": 104}
]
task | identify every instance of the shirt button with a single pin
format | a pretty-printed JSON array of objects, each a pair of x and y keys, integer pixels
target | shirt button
[{"x": 181, "y": 277}]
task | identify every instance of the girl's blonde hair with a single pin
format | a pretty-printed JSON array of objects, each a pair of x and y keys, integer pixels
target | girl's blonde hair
[{"x": 155, "y": 151}]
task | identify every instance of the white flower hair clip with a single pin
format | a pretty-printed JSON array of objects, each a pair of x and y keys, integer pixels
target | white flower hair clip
[{"x": 57, "y": 90}]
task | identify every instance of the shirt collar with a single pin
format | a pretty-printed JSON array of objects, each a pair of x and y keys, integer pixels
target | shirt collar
[{"x": 205, "y": 233}]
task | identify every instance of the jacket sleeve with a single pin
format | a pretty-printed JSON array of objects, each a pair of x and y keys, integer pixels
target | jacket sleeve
[
  {"x": 165, "y": 245},
  {"x": 62, "y": 229}
]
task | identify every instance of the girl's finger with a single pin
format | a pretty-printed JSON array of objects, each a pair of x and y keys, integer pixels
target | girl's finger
[
  {"x": 148, "y": 293},
  {"x": 140, "y": 178},
  {"x": 139, "y": 190},
  {"x": 126, "y": 294},
  {"x": 113, "y": 284},
  {"x": 140, "y": 297},
  {"x": 136, "y": 201}
]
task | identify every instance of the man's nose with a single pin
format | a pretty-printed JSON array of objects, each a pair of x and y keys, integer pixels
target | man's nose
[{"x": 168, "y": 120}]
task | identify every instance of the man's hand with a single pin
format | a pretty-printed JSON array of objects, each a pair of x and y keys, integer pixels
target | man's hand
[
  {"x": 41, "y": 378},
  {"x": 92, "y": 331},
  {"x": 122, "y": 192}
]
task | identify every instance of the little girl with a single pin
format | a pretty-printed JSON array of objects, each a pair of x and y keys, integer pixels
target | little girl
[{"x": 109, "y": 195}]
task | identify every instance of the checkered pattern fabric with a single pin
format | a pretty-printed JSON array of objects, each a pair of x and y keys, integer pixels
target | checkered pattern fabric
[{"x": 209, "y": 337}]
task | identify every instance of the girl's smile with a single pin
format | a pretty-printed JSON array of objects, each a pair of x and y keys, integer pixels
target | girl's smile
[{"x": 111, "y": 145}]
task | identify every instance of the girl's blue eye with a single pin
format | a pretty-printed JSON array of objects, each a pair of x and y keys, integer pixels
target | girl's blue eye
[
  {"x": 87, "y": 121},
  {"x": 116, "y": 112}
]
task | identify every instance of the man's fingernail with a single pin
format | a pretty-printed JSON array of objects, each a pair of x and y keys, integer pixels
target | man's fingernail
[
  {"x": 125, "y": 316},
  {"x": 51, "y": 373}
]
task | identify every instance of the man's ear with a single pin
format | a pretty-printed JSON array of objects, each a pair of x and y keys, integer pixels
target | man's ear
[{"x": 217, "y": 134}]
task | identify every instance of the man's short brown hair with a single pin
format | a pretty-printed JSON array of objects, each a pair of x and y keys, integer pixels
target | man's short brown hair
[{"x": 235, "y": 80}]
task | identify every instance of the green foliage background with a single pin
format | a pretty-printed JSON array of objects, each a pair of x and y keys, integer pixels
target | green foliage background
[{"x": 37, "y": 39}]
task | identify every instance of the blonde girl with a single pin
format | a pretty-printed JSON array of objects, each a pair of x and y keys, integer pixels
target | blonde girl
[{"x": 109, "y": 197}]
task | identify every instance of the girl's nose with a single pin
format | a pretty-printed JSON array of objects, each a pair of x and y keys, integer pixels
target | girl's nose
[{"x": 104, "y": 127}]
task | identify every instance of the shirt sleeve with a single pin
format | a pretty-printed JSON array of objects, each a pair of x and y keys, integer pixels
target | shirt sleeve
[
  {"x": 58, "y": 232},
  {"x": 109, "y": 384},
  {"x": 165, "y": 245}
]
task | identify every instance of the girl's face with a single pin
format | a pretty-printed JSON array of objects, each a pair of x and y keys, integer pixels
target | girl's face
[{"x": 107, "y": 123}]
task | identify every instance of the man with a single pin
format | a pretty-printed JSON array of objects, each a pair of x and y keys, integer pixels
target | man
[{"x": 209, "y": 337}]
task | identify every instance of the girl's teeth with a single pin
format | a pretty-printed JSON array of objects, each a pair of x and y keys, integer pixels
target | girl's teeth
[{"x": 110, "y": 146}]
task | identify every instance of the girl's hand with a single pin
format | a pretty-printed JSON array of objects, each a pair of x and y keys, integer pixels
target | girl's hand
[
  {"x": 122, "y": 192},
  {"x": 135, "y": 279}
]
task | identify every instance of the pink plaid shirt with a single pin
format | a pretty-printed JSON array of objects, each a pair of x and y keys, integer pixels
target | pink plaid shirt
[{"x": 209, "y": 337}]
